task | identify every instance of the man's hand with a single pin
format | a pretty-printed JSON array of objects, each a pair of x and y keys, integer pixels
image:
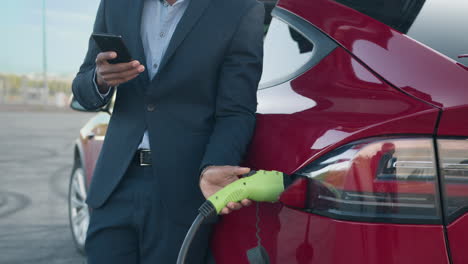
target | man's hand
[
  {"x": 108, "y": 75},
  {"x": 214, "y": 178}
]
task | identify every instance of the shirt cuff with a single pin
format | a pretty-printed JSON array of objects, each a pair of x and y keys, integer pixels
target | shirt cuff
[{"x": 97, "y": 87}]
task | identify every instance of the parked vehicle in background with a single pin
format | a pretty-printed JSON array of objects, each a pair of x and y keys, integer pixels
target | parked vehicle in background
[
  {"x": 367, "y": 98},
  {"x": 86, "y": 152}
]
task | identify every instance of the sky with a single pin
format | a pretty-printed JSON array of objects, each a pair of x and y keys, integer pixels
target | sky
[{"x": 69, "y": 25}]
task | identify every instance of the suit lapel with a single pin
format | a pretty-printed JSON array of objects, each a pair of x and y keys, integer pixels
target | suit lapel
[
  {"x": 188, "y": 20},
  {"x": 136, "y": 46}
]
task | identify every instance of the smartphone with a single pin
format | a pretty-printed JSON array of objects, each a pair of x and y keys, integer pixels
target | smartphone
[{"x": 110, "y": 42}]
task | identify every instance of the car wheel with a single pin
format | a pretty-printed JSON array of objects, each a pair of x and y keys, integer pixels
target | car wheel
[{"x": 78, "y": 211}]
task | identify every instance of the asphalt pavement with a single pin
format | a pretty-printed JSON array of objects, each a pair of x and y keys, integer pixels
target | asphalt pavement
[{"x": 36, "y": 150}]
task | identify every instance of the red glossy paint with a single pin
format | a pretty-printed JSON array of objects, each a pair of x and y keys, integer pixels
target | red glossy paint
[
  {"x": 299, "y": 121},
  {"x": 89, "y": 157},
  {"x": 316, "y": 114},
  {"x": 91, "y": 146},
  {"x": 303, "y": 119},
  {"x": 91, "y": 140},
  {"x": 404, "y": 62},
  {"x": 91, "y": 149},
  {"x": 292, "y": 236},
  {"x": 453, "y": 121},
  {"x": 458, "y": 239},
  {"x": 296, "y": 194}
]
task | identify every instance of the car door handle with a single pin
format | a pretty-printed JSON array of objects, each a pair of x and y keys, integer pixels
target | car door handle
[{"x": 90, "y": 135}]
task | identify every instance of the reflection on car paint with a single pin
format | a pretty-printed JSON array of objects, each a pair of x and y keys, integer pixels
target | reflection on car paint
[{"x": 282, "y": 99}]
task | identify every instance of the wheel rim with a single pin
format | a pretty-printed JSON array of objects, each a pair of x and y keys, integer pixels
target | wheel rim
[{"x": 79, "y": 213}]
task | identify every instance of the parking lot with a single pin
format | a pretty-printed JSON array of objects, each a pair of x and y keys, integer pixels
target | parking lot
[{"x": 35, "y": 163}]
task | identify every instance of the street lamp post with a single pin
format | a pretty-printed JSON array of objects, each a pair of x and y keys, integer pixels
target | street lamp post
[{"x": 44, "y": 54}]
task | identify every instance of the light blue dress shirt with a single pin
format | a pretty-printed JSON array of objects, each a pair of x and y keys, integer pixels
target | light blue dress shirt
[{"x": 158, "y": 23}]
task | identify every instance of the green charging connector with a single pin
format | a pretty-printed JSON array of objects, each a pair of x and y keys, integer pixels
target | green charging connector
[
  {"x": 259, "y": 186},
  {"x": 262, "y": 186}
]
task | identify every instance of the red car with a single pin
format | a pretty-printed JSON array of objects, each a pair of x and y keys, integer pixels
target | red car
[{"x": 369, "y": 101}]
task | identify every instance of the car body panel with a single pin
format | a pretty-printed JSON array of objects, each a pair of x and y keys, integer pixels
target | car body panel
[
  {"x": 91, "y": 140},
  {"x": 458, "y": 234},
  {"x": 291, "y": 236},
  {"x": 297, "y": 122},
  {"x": 304, "y": 118},
  {"x": 409, "y": 65},
  {"x": 453, "y": 121}
]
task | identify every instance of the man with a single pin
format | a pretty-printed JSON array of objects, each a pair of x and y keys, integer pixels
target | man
[{"x": 183, "y": 117}]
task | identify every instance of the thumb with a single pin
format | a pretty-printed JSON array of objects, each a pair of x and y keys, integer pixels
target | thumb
[{"x": 241, "y": 170}]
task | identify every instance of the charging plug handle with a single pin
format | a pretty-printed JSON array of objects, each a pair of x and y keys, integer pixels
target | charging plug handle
[{"x": 259, "y": 186}]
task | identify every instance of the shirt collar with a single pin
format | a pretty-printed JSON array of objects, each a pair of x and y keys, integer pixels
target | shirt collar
[{"x": 176, "y": 3}]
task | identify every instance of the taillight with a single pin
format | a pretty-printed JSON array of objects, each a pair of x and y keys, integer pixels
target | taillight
[
  {"x": 453, "y": 160},
  {"x": 379, "y": 180}
]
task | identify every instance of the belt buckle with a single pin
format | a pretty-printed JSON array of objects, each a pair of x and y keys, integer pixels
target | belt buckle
[{"x": 142, "y": 161}]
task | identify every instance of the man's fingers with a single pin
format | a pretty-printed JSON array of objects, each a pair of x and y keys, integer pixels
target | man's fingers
[
  {"x": 122, "y": 75},
  {"x": 115, "y": 74},
  {"x": 246, "y": 202},
  {"x": 215, "y": 178},
  {"x": 103, "y": 57},
  {"x": 225, "y": 211},
  {"x": 116, "y": 82},
  {"x": 240, "y": 170},
  {"x": 234, "y": 206},
  {"x": 119, "y": 68}
]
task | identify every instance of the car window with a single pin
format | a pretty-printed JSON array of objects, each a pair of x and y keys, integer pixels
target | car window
[
  {"x": 285, "y": 51},
  {"x": 292, "y": 46},
  {"x": 439, "y": 24}
]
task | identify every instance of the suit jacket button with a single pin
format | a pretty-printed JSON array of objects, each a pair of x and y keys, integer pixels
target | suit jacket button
[{"x": 150, "y": 107}]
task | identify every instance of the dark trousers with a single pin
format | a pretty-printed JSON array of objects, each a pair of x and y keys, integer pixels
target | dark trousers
[{"x": 132, "y": 227}]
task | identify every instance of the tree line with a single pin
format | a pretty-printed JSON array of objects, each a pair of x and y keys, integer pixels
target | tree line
[{"x": 12, "y": 84}]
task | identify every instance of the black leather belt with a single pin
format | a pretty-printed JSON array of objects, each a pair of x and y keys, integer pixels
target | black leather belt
[{"x": 142, "y": 157}]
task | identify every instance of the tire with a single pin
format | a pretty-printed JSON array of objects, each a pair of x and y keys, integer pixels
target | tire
[{"x": 78, "y": 211}]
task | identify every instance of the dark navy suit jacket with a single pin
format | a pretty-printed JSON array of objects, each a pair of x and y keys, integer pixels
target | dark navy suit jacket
[{"x": 200, "y": 107}]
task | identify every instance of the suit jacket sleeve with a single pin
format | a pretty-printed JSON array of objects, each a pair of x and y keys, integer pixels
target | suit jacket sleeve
[
  {"x": 83, "y": 87},
  {"x": 236, "y": 101}
]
